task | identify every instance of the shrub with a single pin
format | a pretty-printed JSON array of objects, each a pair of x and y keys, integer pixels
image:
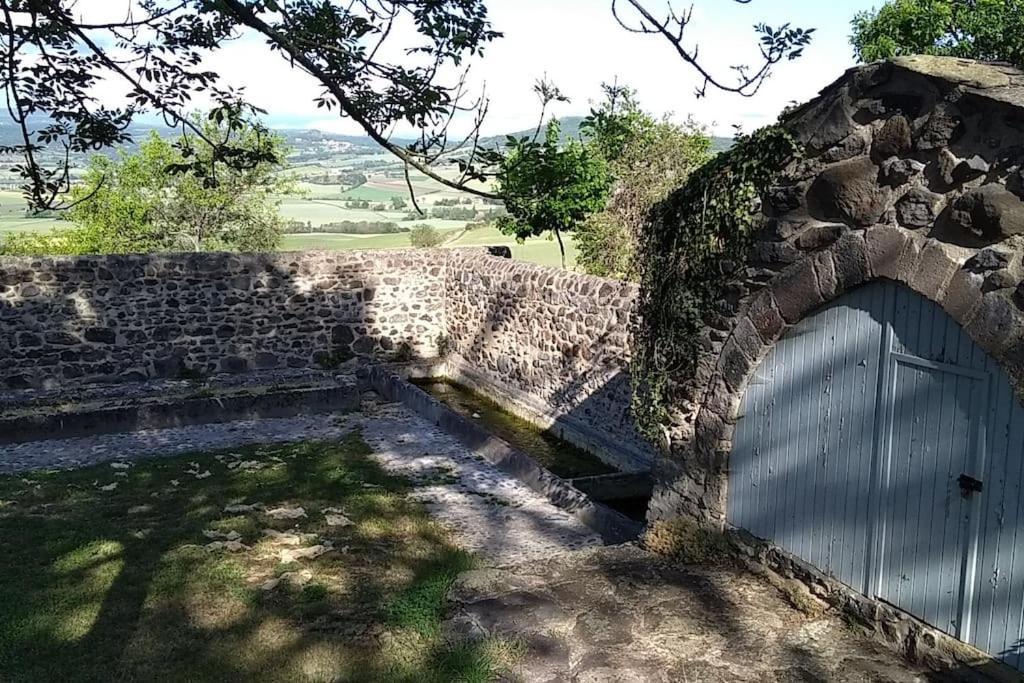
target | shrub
[{"x": 425, "y": 236}]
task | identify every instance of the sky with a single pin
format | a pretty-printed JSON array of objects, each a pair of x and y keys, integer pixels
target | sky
[{"x": 577, "y": 44}]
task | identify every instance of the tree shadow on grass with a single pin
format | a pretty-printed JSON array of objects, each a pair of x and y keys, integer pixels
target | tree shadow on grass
[{"x": 93, "y": 592}]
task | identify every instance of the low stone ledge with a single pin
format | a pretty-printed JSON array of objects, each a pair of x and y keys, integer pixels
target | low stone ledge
[
  {"x": 181, "y": 411},
  {"x": 617, "y": 486},
  {"x": 906, "y": 635},
  {"x": 612, "y": 526},
  {"x": 620, "y": 454}
]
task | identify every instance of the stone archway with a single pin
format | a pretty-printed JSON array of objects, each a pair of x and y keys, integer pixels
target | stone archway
[
  {"x": 914, "y": 173},
  {"x": 925, "y": 266}
]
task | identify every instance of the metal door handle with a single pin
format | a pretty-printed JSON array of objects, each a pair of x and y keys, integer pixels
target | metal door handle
[{"x": 969, "y": 484}]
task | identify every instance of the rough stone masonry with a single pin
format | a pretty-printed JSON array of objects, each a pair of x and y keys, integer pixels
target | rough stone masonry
[
  {"x": 913, "y": 172},
  {"x": 550, "y": 342}
]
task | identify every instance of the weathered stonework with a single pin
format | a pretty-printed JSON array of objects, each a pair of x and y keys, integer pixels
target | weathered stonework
[
  {"x": 71, "y": 321},
  {"x": 919, "y": 163},
  {"x": 550, "y": 344},
  {"x": 930, "y": 196}
]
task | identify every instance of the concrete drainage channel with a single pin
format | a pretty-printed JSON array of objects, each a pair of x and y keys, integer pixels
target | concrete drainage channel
[
  {"x": 570, "y": 495},
  {"x": 71, "y": 421}
]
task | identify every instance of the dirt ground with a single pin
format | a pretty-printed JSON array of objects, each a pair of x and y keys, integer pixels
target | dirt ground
[{"x": 620, "y": 614}]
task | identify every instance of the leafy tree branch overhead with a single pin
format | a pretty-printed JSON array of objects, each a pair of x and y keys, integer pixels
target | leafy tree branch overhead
[
  {"x": 781, "y": 43},
  {"x": 54, "y": 60},
  {"x": 359, "y": 52}
]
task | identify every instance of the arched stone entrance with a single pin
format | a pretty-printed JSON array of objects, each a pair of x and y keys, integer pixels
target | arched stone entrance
[
  {"x": 879, "y": 444},
  {"x": 914, "y": 174}
]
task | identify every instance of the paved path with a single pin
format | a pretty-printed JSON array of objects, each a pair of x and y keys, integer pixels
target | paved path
[
  {"x": 490, "y": 512},
  {"x": 493, "y": 514}
]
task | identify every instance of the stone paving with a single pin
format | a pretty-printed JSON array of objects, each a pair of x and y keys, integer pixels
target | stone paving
[
  {"x": 622, "y": 615},
  {"x": 494, "y": 514},
  {"x": 490, "y": 512}
]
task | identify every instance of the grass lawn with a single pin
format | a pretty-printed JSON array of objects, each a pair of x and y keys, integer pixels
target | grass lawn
[
  {"x": 101, "y": 582},
  {"x": 535, "y": 250}
]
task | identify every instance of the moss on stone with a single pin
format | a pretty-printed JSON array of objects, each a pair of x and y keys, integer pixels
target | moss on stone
[{"x": 685, "y": 540}]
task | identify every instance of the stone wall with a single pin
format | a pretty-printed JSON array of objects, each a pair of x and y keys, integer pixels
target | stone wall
[
  {"x": 550, "y": 345},
  {"x": 68, "y": 321},
  {"x": 914, "y": 172}
]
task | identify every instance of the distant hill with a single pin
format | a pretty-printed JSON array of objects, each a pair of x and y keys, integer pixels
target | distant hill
[
  {"x": 297, "y": 138},
  {"x": 571, "y": 130}
]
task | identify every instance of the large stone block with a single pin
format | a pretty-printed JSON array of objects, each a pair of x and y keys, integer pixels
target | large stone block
[
  {"x": 849, "y": 254},
  {"x": 944, "y": 127},
  {"x": 746, "y": 337},
  {"x": 991, "y": 212},
  {"x": 818, "y": 236},
  {"x": 827, "y": 124},
  {"x": 995, "y": 324},
  {"x": 734, "y": 365},
  {"x": 892, "y": 139},
  {"x": 825, "y": 272},
  {"x": 850, "y": 192},
  {"x": 935, "y": 268},
  {"x": 764, "y": 315},
  {"x": 962, "y": 295},
  {"x": 853, "y": 145},
  {"x": 796, "y": 291},
  {"x": 898, "y": 171},
  {"x": 886, "y": 248},
  {"x": 919, "y": 208}
]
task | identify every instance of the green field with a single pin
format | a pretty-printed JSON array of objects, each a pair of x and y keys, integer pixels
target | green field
[
  {"x": 12, "y": 215},
  {"x": 536, "y": 250},
  {"x": 318, "y": 212},
  {"x": 11, "y": 203},
  {"x": 372, "y": 193}
]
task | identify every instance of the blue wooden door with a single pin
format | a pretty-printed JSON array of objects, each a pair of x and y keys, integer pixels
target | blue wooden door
[
  {"x": 878, "y": 443},
  {"x": 930, "y": 438}
]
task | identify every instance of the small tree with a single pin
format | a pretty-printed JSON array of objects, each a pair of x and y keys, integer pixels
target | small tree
[
  {"x": 977, "y": 29},
  {"x": 397, "y": 203},
  {"x": 548, "y": 187},
  {"x": 424, "y": 235},
  {"x": 155, "y": 200}
]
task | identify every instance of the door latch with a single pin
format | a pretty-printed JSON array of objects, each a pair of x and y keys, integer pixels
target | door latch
[{"x": 969, "y": 485}]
